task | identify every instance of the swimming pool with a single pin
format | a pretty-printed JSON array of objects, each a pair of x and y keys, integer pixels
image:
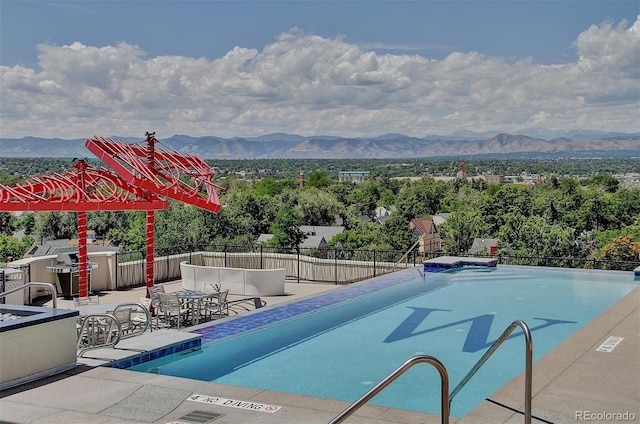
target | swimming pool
[{"x": 362, "y": 334}]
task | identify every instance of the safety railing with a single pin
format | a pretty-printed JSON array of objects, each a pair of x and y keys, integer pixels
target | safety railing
[
  {"x": 446, "y": 398},
  {"x": 444, "y": 387},
  {"x": 528, "y": 376},
  {"x": 97, "y": 331},
  {"x": 54, "y": 291}
]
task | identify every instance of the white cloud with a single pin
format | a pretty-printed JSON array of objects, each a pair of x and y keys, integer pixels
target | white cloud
[{"x": 308, "y": 84}]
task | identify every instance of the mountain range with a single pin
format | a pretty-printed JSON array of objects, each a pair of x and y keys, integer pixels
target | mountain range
[{"x": 290, "y": 146}]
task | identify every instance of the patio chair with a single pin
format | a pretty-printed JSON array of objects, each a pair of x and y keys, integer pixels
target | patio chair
[
  {"x": 123, "y": 315},
  {"x": 170, "y": 309},
  {"x": 216, "y": 305},
  {"x": 139, "y": 318},
  {"x": 154, "y": 291},
  {"x": 211, "y": 288}
]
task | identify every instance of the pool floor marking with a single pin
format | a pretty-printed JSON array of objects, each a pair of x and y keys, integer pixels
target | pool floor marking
[
  {"x": 232, "y": 403},
  {"x": 609, "y": 344}
]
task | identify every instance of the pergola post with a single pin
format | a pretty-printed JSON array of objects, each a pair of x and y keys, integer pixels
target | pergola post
[
  {"x": 83, "y": 270},
  {"x": 150, "y": 248}
]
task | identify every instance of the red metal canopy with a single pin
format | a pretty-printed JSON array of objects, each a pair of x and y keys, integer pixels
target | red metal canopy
[
  {"x": 161, "y": 172},
  {"x": 81, "y": 188},
  {"x": 146, "y": 174}
]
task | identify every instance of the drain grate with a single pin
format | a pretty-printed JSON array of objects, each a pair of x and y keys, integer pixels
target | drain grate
[{"x": 200, "y": 417}]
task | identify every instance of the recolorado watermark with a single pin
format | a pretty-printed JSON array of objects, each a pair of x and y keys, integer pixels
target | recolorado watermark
[{"x": 605, "y": 416}]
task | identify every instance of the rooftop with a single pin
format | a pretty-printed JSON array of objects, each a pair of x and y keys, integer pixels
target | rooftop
[{"x": 573, "y": 383}]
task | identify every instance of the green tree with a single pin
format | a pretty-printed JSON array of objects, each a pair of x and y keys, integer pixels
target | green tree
[
  {"x": 420, "y": 199},
  {"x": 396, "y": 233},
  {"x": 271, "y": 187},
  {"x": 7, "y": 223},
  {"x": 132, "y": 237},
  {"x": 28, "y": 223},
  {"x": 11, "y": 247},
  {"x": 459, "y": 230},
  {"x": 318, "y": 207},
  {"x": 317, "y": 179},
  {"x": 534, "y": 236},
  {"x": 498, "y": 202},
  {"x": 607, "y": 182},
  {"x": 366, "y": 236},
  {"x": 286, "y": 229}
]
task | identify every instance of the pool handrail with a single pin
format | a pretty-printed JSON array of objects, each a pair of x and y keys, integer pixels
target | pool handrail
[
  {"x": 444, "y": 388},
  {"x": 54, "y": 291},
  {"x": 94, "y": 319},
  {"x": 528, "y": 376}
]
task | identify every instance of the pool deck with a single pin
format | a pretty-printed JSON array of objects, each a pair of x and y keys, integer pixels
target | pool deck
[{"x": 573, "y": 383}]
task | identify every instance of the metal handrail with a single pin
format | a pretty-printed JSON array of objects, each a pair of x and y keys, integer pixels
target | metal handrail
[
  {"x": 93, "y": 320},
  {"x": 139, "y": 308},
  {"x": 444, "y": 387},
  {"x": 528, "y": 365},
  {"x": 53, "y": 288}
]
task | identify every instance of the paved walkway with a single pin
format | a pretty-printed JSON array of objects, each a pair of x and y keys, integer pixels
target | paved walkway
[{"x": 572, "y": 384}]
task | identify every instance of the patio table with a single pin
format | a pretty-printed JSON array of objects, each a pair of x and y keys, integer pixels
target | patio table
[{"x": 193, "y": 300}]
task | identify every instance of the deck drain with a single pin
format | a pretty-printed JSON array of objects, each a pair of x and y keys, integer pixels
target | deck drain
[{"x": 200, "y": 417}]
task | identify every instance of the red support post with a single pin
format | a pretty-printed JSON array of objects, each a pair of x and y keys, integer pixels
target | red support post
[
  {"x": 83, "y": 287},
  {"x": 150, "y": 248}
]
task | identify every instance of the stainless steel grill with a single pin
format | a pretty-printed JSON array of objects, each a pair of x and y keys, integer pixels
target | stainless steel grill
[{"x": 67, "y": 271}]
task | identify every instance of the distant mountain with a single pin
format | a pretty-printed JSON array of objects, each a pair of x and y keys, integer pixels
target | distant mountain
[{"x": 288, "y": 146}]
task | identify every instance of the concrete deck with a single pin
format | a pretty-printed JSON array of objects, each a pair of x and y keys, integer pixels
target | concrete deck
[{"x": 573, "y": 383}]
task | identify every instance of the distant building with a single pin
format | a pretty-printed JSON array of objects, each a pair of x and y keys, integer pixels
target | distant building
[
  {"x": 495, "y": 179},
  {"x": 428, "y": 233},
  {"x": 484, "y": 246},
  {"x": 439, "y": 219},
  {"x": 353, "y": 176}
]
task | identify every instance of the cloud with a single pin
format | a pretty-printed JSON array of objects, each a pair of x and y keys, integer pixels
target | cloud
[{"x": 308, "y": 84}]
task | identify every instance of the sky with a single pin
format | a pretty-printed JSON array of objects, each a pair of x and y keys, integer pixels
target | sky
[{"x": 75, "y": 69}]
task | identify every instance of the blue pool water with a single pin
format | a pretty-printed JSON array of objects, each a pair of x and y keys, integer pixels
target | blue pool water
[{"x": 362, "y": 332}]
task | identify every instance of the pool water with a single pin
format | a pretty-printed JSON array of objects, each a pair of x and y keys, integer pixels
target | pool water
[{"x": 341, "y": 351}]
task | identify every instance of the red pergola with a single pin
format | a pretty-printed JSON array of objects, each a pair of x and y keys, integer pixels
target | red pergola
[{"x": 146, "y": 174}]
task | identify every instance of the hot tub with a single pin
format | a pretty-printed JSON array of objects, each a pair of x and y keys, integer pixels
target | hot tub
[{"x": 35, "y": 342}]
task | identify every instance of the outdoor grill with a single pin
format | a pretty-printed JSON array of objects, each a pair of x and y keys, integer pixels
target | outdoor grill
[{"x": 67, "y": 270}]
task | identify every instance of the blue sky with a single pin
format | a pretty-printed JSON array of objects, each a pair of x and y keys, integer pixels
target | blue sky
[{"x": 351, "y": 68}]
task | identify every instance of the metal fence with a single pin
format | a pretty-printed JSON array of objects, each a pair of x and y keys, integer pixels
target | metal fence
[{"x": 336, "y": 266}]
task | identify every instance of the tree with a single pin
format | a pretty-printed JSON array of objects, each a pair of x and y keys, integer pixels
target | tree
[
  {"x": 7, "y": 223},
  {"x": 286, "y": 229},
  {"x": 508, "y": 198},
  {"x": 318, "y": 207},
  {"x": 459, "y": 230},
  {"x": 11, "y": 247},
  {"x": 366, "y": 236},
  {"x": 317, "y": 179},
  {"x": 132, "y": 237},
  {"x": 270, "y": 187},
  {"x": 534, "y": 236},
  {"x": 366, "y": 196},
  {"x": 622, "y": 249},
  {"x": 28, "y": 223},
  {"x": 421, "y": 198},
  {"x": 607, "y": 182},
  {"x": 396, "y": 233}
]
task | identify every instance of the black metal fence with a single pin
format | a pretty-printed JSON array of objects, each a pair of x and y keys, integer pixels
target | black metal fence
[{"x": 298, "y": 262}]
